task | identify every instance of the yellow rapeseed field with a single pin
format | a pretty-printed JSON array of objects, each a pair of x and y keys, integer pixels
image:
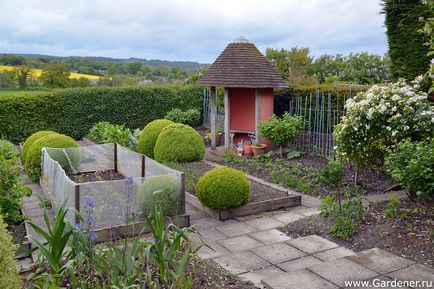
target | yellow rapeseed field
[{"x": 37, "y": 73}]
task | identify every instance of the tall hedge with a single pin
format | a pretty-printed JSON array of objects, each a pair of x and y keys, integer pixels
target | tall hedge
[
  {"x": 406, "y": 45},
  {"x": 74, "y": 111}
]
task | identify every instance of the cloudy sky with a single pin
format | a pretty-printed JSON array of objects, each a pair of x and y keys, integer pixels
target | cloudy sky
[{"x": 196, "y": 30}]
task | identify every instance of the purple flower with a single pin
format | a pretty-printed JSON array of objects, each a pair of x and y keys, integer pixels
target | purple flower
[
  {"x": 90, "y": 219},
  {"x": 350, "y": 166},
  {"x": 77, "y": 227},
  {"x": 129, "y": 180},
  {"x": 89, "y": 203},
  {"x": 92, "y": 236}
]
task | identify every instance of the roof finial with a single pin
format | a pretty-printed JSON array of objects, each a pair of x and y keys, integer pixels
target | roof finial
[{"x": 241, "y": 39}]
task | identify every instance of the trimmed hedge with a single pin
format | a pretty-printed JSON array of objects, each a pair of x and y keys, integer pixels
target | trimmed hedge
[
  {"x": 74, "y": 111},
  {"x": 33, "y": 158},
  {"x": 9, "y": 277},
  {"x": 179, "y": 143},
  {"x": 149, "y": 136},
  {"x": 30, "y": 140},
  {"x": 223, "y": 188}
]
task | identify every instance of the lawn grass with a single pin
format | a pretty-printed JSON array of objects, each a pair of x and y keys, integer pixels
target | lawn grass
[{"x": 8, "y": 92}]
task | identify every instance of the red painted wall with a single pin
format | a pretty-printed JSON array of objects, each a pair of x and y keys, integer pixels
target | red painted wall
[
  {"x": 242, "y": 109},
  {"x": 267, "y": 103}
]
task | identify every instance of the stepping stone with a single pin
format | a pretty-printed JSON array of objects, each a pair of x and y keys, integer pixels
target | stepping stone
[
  {"x": 288, "y": 217},
  {"x": 215, "y": 251},
  {"x": 310, "y": 201},
  {"x": 299, "y": 264},
  {"x": 380, "y": 261},
  {"x": 241, "y": 262},
  {"x": 264, "y": 223},
  {"x": 307, "y": 212},
  {"x": 297, "y": 280},
  {"x": 236, "y": 229},
  {"x": 333, "y": 254},
  {"x": 258, "y": 275},
  {"x": 270, "y": 236},
  {"x": 240, "y": 243},
  {"x": 194, "y": 212},
  {"x": 416, "y": 272},
  {"x": 211, "y": 235},
  {"x": 278, "y": 253},
  {"x": 340, "y": 270},
  {"x": 312, "y": 244},
  {"x": 205, "y": 223}
]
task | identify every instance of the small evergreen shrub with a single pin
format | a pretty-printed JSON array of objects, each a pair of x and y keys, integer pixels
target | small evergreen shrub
[
  {"x": 30, "y": 140},
  {"x": 149, "y": 136},
  {"x": 161, "y": 191},
  {"x": 9, "y": 277},
  {"x": 105, "y": 132},
  {"x": 8, "y": 150},
  {"x": 331, "y": 175},
  {"x": 223, "y": 188},
  {"x": 191, "y": 117},
  {"x": 343, "y": 228},
  {"x": 179, "y": 143},
  {"x": 33, "y": 159}
]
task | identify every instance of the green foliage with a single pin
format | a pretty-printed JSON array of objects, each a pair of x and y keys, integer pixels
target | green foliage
[
  {"x": 162, "y": 191},
  {"x": 23, "y": 73},
  {"x": 33, "y": 158},
  {"x": 280, "y": 130},
  {"x": 343, "y": 228},
  {"x": 223, "y": 188},
  {"x": 8, "y": 150},
  {"x": 393, "y": 207},
  {"x": 149, "y": 136},
  {"x": 105, "y": 132},
  {"x": 191, "y": 117},
  {"x": 80, "y": 82},
  {"x": 29, "y": 142},
  {"x": 56, "y": 75},
  {"x": 406, "y": 46},
  {"x": 332, "y": 174},
  {"x": 412, "y": 165},
  {"x": 179, "y": 143},
  {"x": 9, "y": 277}
]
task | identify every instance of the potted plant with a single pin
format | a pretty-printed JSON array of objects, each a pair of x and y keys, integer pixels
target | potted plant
[
  {"x": 259, "y": 148},
  {"x": 218, "y": 139},
  {"x": 248, "y": 148}
]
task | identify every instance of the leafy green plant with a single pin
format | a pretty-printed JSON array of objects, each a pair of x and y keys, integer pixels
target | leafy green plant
[
  {"x": 8, "y": 150},
  {"x": 280, "y": 130},
  {"x": 332, "y": 174},
  {"x": 105, "y": 132},
  {"x": 412, "y": 165},
  {"x": 9, "y": 277},
  {"x": 149, "y": 136},
  {"x": 44, "y": 202},
  {"x": 223, "y": 188},
  {"x": 191, "y": 117},
  {"x": 179, "y": 143},
  {"x": 393, "y": 207},
  {"x": 343, "y": 228}
]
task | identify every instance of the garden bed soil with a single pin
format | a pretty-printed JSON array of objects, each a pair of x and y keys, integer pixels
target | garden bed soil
[
  {"x": 18, "y": 233},
  {"x": 108, "y": 175},
  {"x": 370, "y": 181},
  {"x": 410, "y": 237},
  {"x": 260, "y": 192}
]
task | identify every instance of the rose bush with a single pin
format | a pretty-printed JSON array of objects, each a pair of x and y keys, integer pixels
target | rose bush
[{"x": 378, "y": 119}]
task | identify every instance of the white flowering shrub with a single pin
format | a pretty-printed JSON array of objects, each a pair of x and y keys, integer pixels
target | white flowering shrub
[{"x": 378, "y": 119}]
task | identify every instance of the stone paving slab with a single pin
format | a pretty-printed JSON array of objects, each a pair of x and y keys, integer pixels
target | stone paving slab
[
  {"x": 299, "y": 264},
  {"x": 333, "y": 254},
  {"x": 211, "y": 235},
  {"x": 312, "y": 244},
  {"x": 258, "y": 275},
  {"x": 306, "y": 211},
  {"x": 216, "y": 250},
  {"x": 288, "y": 217},
  {"x": 270, "y": 236},
  {"x": 278, "y": 253},
  {"x": 241, "y": 262},
  {"x": 236, "y": 229},
  {"x": 205, "y": 223},
  {"x": 240, "y": 243},
  {"x": 310, "y": 201},
  {"x": 340, "y": 270},
  {"x": 380, "y": 261},
  {"x": 297, "y": 280},
  {"x": 264, "y": 223},
  {"x": 414, "y": 272}
]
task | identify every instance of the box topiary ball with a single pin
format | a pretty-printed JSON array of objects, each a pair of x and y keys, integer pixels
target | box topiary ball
[
  {"x": 30, "y": 140},
  {"x": 149, "y": 136},
  {"x": 162, "y": 191},
  {"x": 223, "y": 188},
  {"x": 179, "y": 143},
  {"x": 33, "y": 158}
]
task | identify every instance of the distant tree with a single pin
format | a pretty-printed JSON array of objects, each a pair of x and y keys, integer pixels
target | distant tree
[
  {"x": 7, "y": 79},
  {"x": 56, "y": 75},
  {"x": 80, "y": 82},
  {"x": 134, "y": 67},
  {"x": 23, "y": 74},
  {"x": 12, "y": 59}
]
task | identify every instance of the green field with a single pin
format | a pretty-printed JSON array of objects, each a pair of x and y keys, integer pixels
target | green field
[{"x": 21, "y": 92}]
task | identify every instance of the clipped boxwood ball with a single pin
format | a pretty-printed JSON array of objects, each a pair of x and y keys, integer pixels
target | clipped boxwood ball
[
  {"x": 160, "y": 190},
  {"x": 30, "y": 140},
  {"x": 179, "y": 143},
  {"x": 149, "y": 136},
  {"x": 223, "y": 188},
  {"x": 33, "y": 158}
]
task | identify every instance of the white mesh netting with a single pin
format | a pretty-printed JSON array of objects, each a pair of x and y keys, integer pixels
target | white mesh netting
[{"x": 112, "y": 176}]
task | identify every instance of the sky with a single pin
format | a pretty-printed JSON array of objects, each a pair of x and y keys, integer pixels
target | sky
[{"x": 191, "y": 30}]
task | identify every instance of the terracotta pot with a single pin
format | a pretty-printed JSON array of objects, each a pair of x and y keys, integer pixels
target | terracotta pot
[
  {"x": 248, "y": 149},
  {"x": 259, "y": 150},
  {"x": 218, "y": 139}
]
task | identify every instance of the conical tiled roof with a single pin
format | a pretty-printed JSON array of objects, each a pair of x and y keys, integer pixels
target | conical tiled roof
[{"x": 241, "y": 64}]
